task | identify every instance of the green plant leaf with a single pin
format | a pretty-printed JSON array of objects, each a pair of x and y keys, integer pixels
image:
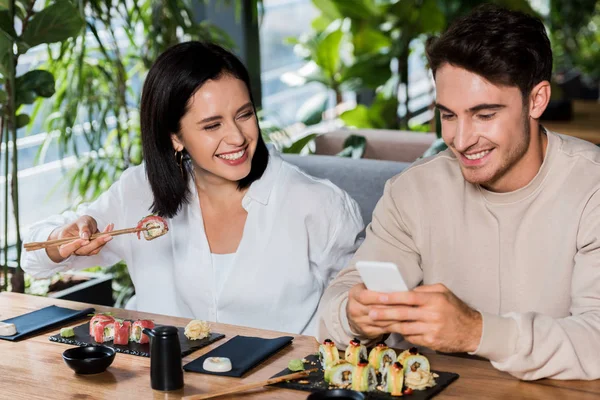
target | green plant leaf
[
  {"x": 6, "y": 54},
  {"x": 33, "y": 84},
  {"x": 383, "y": 114},
  {"x": 328, "y": 8},
  {"x": 354, "y": 146},
  {"x": 22, "y": 120},
  {"x": 299, "y": 145},
  {"x": 321, "y": 23},
  {"x": 7, "y": 26},
  {"x": 3, "y": 96},
  {"x": 328, "y": 53},
  {"x": 357, "y": 117},
  {"x": 368, "y": 40},
  {"x": 357, "y": 9},
  {"x": 55, "y": 23},
  {"x": 372, "y": 70},
  {"x": 311, "y": 112},
  {"x": 4, "y": 4}
]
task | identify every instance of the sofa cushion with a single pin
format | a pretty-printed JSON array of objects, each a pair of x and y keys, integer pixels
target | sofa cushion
[
  {"x": 363, "y": 179},
  {"x": 403, "y": 146}
]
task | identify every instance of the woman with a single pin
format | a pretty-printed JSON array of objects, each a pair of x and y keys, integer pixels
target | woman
[{"x": 252, "y": 240}]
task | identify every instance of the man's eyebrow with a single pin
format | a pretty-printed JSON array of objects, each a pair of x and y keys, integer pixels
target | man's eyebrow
[
  {"x": 486, "y": 106},
  {"x": 443, "y": 108},
  {"x": 474, "y": 109}
]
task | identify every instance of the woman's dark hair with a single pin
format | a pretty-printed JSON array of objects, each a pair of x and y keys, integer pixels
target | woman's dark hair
[
  {"x": 505, "y": 47},
  {"x": 173, "y": 79}
]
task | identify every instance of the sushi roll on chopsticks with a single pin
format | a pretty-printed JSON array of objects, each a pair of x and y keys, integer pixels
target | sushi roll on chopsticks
[
  {"x": 364, "y": 378},
  {"x": 154, "y": 226},
  {"x": 328, "y": 354},
  {"x": 122, "y": 331},
  {"x": 104, "y": 331},
  {"x": 99, "y": 318},
  {"x": 355, "y": 352},
  {"x": 339, "y": 374},
  {"x": 381, "y": 356},
  {"x": 393, "y": 379},
  {"x": 136, "y": 331}
]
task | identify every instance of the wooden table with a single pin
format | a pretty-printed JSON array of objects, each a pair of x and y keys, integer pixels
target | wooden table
[
  {"x": 33, "y": 368},
  {"x": 584, "y": 125}
]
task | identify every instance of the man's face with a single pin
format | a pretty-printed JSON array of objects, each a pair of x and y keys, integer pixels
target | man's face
[{"x": 486, "y": 126}]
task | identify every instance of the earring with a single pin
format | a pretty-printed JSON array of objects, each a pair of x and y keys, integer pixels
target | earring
[{"x": 179, "y": 161}]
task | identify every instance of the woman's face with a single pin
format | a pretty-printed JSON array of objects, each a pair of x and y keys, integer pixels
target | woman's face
[{"x": 219, "y": 130}]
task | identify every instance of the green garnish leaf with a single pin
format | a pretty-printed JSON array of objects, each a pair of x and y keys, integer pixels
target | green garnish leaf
[{"x": 296, "y": 365}]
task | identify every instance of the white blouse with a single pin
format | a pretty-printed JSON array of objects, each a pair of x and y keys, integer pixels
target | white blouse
[
  {"x": 221, "y": 264},
  {"x": 299, "y": 233}
]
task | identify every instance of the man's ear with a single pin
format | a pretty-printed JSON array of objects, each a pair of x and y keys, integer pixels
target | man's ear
[
  {"x": 539, "y": 99},
  {"x": 177, "y": 144}
]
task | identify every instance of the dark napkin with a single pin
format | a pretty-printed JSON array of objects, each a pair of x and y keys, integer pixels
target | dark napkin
[
  {"x": 244, "y": 352},
  {"x": 30, "y": 323}
]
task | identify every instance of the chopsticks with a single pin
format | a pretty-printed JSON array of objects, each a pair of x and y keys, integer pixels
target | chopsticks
[
  {"x": 57, "y": 242},
  {"x": 249, "y": 386}
]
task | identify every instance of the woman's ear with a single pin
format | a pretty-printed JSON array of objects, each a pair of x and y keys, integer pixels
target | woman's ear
[
  {"x": 539, "y": 99},
  {"x": 177, "y": 144}
]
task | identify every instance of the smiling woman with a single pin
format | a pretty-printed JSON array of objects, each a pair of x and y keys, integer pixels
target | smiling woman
[{"x": 251, "y": 239}]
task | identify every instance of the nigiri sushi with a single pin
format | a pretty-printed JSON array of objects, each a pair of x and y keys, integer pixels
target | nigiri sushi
[{"x": 136, "y": 331}]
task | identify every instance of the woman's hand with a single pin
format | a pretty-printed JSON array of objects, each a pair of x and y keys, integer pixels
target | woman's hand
[{"x": 84, "y": 227}]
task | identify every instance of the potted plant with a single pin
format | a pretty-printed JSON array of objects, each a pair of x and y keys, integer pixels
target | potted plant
[{"x": 55, "y": 22}]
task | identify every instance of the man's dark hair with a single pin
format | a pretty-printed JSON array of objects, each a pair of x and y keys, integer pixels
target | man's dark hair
[
  {"x": 173, "y": 79},
  {"x": 505, "y": 47}
]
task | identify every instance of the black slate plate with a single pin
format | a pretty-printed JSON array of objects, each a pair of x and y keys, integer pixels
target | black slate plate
[
  {"x": 82, "y": 338},
  {"x": 316, "y": 383}
]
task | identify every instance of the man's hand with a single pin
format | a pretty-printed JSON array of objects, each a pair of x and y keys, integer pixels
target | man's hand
[
  {"x": 430, "y": 316},
  {"x": 83, "y": 227}
]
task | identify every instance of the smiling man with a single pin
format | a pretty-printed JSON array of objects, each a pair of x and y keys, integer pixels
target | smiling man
[{"x": 498, "y": 236}]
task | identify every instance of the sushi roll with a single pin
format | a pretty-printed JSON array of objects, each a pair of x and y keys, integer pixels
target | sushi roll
[
  {"x": 99, "y": 318},
  {"x": 122, "y": 331},
  {"x": 136, "y": 331},
  {"x": 402, "y": 356},
  {"x": 104, "y": 331},
  {"x": 364, "y": 378},
  {"x": 339, "y": 374},
  {"x": 414, "y": 361},
  {"x": 381, "y": 356},
  {"x": 355, "y": 352},
  {"x": 328, "y": 354},
  {"x": 154, "y": 226},
  {"x": 393, "y": 379}
]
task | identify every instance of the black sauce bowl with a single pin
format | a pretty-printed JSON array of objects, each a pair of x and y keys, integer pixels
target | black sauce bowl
[
  {"x": 89, "y": 359},
  {"x": 340, "y": 394}
]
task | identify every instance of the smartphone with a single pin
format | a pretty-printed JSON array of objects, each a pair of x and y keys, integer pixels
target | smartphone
[{"x": 381, "y": 277}]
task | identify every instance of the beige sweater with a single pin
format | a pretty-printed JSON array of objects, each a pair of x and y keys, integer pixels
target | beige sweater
[{"x": 528, "y": 260}]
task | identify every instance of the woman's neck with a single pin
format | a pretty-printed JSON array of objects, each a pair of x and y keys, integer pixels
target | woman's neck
[{"x": 218, "y": 192}]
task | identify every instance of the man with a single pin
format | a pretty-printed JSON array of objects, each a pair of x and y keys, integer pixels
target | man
[{"x": 501, "y": 231}]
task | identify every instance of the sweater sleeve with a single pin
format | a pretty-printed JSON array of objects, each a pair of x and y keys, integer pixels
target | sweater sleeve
[
  {"x": 533, "y": 346},
  {"x": 106, "y": 209},
  {"x": 387, "y": 239}
]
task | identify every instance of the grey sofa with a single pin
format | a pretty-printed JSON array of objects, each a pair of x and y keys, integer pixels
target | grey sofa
[{"x": 363, "y": 179}]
